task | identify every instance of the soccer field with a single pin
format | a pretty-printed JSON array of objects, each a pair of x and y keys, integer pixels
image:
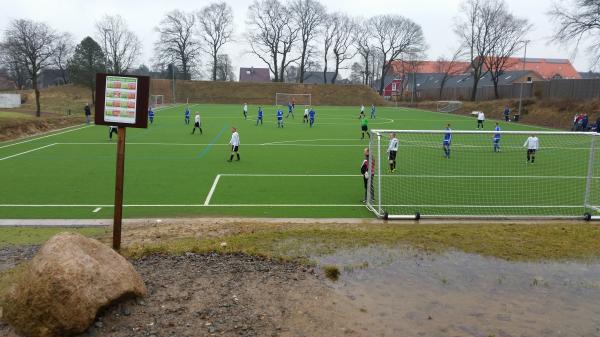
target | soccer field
[{"x": 296, "y": 171}]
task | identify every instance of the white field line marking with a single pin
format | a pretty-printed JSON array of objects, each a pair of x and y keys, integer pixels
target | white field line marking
[
  {"x": 212, "y": 190},
  {"x": 308, "y": 140},
  {"x": 97, "y": 210},
  {"x": 300, "y": 205},
  {"x": 400, "y": 176},
  {"x": 51, "y": 135},
  {"x": 290, "y": 143},
  {"x": 22, "y": 153}
]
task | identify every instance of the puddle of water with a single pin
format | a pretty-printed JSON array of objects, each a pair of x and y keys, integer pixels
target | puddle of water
[{"x": 412, "y": 293}]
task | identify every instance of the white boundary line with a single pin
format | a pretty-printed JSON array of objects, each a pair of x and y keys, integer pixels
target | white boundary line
[
  {"x": 294, "y": 205},
  {"x": 212, "y": 190},
  {"x": 51, "y": 135},
  {"x": 22, "y": 153}
]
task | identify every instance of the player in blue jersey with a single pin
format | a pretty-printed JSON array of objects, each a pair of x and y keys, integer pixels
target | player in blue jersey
[
  {"x": 279, "y": 118},
  {"x": 373, "y": 111},
  {"x": 447, "y": 141},
  {"x": 151, "y": 115},
  {"x": 311, "y": 117},
  {"x": 290, "y": 110},
  {"x": 259, "y": 118},
  {"x": 187, "y": 115},
  {"x": 497, "y": 138}
]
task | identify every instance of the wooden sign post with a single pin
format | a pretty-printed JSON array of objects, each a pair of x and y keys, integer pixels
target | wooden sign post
[{"x": 121, "y": 101}]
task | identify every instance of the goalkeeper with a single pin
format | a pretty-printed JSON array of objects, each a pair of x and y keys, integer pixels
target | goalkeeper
[
  {"x": 392, "y": 151},
  {"x": 364, "y": 171}
]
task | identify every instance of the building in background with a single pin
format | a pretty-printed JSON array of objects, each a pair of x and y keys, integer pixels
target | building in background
[{"x": 260, "y": 75}]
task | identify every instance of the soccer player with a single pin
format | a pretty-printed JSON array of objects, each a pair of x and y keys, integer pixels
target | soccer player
[
  {"x": 111, "y": 130},
  {"x": 279, "y": 118},
  {"x": 290, "y": 110},
  {"x": 532, "y": 144},
  {"x": 260, "y": 116},
  {"x": 311, "y": 117},
  {"x": 392, "y": 151},
  {"x": 305, "y": 118},
  {"x": 447, "y": 141},
  {"x": 187, "y": 115},
  {"x": 497, "y": 138},
  {"x": 480, "y": 119},
  {"x": 293, "y": 103},
  {"x": 235, "y": 144},
  {"x": 372, "y": 111},
  {"x": 364, "y": 126},
  {"x": 362, "y": 111},
  {"x": 151, "y": 115},
  {"x": 197, "y": 123},
  {"x": 88, "y": 113},
  {"x": 364, "y": 171},
  {"x": 245, "y": 110},
  {"x": 507, "y": 113}
]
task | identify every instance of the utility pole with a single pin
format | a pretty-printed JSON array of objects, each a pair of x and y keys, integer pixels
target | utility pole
[{"x": 521, "y": 94}]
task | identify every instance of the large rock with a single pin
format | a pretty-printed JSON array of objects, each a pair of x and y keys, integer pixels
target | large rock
[{"x": 65, "y": 285}]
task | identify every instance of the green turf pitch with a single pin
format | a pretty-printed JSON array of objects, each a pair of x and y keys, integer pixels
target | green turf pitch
[{"x": 296, "y": 171}]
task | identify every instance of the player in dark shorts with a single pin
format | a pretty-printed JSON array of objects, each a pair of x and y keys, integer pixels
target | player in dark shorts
[{"x": 364, "y": 126}]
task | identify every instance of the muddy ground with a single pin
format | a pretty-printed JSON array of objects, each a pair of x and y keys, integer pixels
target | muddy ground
[{"x": 227, "y": 295}]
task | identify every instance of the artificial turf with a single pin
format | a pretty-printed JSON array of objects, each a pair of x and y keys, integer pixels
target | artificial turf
[{"x": 295, "y": 171}]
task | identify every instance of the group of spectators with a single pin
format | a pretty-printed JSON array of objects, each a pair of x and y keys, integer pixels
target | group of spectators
[{"x": 581, "y": 122}]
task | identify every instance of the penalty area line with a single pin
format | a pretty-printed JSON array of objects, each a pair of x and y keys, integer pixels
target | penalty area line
[{"x": 212, "y": 190}]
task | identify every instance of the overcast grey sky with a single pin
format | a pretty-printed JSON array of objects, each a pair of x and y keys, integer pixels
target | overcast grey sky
[{"x": 435, "y": 16}]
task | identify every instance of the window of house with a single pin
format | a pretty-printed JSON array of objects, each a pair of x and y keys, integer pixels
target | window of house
[{"x": 393, "y": 86}]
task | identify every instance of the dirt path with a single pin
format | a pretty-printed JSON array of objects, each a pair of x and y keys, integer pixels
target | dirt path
[{"x": 231, "y": 295}]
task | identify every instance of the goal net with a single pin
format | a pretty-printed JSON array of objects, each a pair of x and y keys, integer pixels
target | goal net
[
  {"x": 156, "y": 100},
  {"x": 479, "y": 180},
  {"x": 297, "y": 99},
  {"x": 448, "y": 106}
]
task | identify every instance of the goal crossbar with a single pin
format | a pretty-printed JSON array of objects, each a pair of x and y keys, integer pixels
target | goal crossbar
[{"x": 477, "y": 178}]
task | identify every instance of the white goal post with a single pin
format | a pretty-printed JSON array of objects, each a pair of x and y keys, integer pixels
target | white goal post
[
  {"x": 448, "y": 106},
  {"x": 477, "y": 177},
  {"x": 157, "y": 100},
  {"x": 282, "y": 98}
]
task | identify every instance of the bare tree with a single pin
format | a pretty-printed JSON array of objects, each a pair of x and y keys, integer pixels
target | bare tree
[
  {"x": 478, "y": 34},
  {"x": 343, "y": 40},
  {"x": 15, "y": 66},
  {"x": 308, "y": 17},
  {"x": 272, "y": 35},
  {"x": 364, "y": 48},
  {"x": 329, "y": 31},
  {"x": 177, "y": 43},
  {"x": 64, "y": 52},
  {"x": 33, "y": 44},
  {"x": 579, "y": 22},
  {"x": 394, "y": 36},
  {"x": 449, "y": 67},
  {"x": 216, "y": 29},
  {"x": 224, "y": 68},
  {"x": 120, "y": 46},
  {"x": 510, "y": 34}
]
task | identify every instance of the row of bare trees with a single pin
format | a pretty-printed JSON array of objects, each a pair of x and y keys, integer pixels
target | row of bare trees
[{"x": 301, "y": 31}]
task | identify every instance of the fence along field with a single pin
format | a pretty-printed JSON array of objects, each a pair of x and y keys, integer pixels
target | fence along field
[{"x": 296, "y": 171}]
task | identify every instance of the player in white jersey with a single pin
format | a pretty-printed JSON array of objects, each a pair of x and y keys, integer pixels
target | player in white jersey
[
  {"x": 305, "y": 118},
  {"x": 392, "y": 151},
  {"x": 245, "y": 110},
  {"x": 532, "y": 144},
  {"x": 197, "y": 123},
  {"x": 235, "y": 144},
  {"x": 480, "y": 119}
]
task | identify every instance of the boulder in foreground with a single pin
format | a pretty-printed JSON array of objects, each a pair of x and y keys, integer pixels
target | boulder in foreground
[{"x": 66, "y": 283}]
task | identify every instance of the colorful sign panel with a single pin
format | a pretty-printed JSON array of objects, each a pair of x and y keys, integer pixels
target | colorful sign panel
[{"x": 122, "y": 100}]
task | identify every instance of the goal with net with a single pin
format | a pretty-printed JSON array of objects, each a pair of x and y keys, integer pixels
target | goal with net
[
  {"x": 448, "y": 106},
  {"x": 156, "y": 100},
  {"x": 477, "y": 181},
  {"x": 282, "y": 98}
]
